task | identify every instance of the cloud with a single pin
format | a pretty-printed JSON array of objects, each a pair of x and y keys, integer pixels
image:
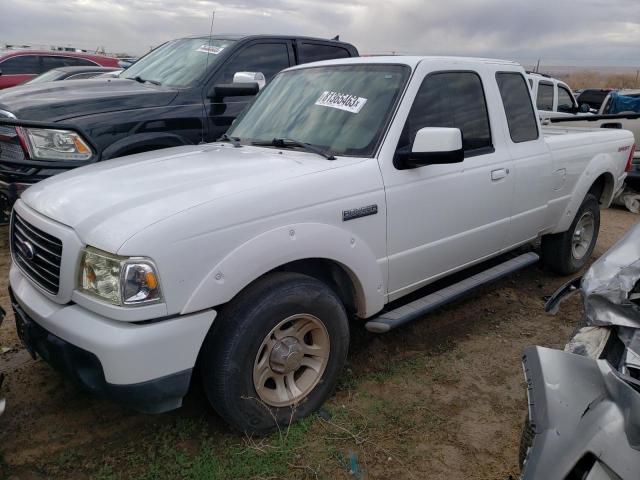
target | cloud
[{"x": 587, "y": 32}]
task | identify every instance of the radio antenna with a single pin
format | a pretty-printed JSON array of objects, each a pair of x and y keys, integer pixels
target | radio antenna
[
  {"x": 213, "y": 16},
  {"x": 206, "y": 67}
]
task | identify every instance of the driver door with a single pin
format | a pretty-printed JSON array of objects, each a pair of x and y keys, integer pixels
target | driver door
[{"x": 442, "y": 218}]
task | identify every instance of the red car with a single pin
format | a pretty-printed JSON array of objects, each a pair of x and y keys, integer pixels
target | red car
[{"x": 18, "y": 66}]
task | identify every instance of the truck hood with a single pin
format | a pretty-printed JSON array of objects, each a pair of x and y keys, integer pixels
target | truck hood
[
  {"x": 57, "y": 101},
  {"x": 109, "y": 202}
]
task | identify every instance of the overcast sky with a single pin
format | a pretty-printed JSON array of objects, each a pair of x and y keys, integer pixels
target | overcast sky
[{"x": 560, "y": 32}]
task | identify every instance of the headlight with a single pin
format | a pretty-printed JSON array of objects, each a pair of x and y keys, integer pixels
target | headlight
[
  {"x": 49, "y": 144},
  {"x": 118, "y": 280}
]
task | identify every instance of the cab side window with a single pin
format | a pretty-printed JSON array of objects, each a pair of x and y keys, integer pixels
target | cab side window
[
  {"x": 516, "y": 99},
  {"x": 454, "y": 100},
  {"x": 21, "y": 65},
  {"x": 57, "y": 61},
  {"x": 267, "y": 58},
  {"x": 544, "y": 100},
  {"x": 565, "y": 100}
]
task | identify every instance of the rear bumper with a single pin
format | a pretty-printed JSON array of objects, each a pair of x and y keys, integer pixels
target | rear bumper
[
  {"x": 146, "y": 367},
  {"x": 578, "y": 406}
]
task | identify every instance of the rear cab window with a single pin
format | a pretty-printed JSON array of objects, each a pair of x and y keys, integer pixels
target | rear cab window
[
  {"x": 315, "y": 52},
  {"x": 518, "y": 109}
]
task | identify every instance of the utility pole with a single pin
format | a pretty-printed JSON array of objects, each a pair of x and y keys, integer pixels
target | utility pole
[{"x": 538, "y": 66}]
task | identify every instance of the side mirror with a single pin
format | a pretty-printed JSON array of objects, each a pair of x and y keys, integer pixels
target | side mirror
[
  {"x": 433, "y": 146},
  {"x": 244, "y": 84},
  {"x": 584, "y": 108},
  {"x": 250, "y": 77},
  {"x": 223, "y": 90},
  {"x": 0, "y": 73}
]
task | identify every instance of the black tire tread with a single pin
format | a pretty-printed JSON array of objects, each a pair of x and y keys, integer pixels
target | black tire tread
[
  {"x": 556, "y": 248},
  {"x": 232, "y": 326}
]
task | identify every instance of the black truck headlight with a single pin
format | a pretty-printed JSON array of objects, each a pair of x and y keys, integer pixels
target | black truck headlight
[{"x": 50, "y": 144}]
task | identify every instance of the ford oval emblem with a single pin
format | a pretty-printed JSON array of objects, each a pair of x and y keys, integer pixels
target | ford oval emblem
[{"x": 27, "y": 250}]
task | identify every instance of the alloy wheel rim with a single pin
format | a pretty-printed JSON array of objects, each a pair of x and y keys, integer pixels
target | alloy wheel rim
[
  {"x": 583, "y": 235},
  {"x": 291, "y": 360}
]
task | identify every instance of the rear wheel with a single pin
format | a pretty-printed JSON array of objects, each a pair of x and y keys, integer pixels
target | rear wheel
[
  {"x": 275, "y": 352},
  {"x": 569, "y": 251}
]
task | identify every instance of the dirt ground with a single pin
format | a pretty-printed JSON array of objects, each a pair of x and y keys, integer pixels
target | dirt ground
[{"x": 442, "y": 398}]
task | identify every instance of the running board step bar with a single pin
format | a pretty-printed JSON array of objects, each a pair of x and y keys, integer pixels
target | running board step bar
[{"x": 394, "y": 318}]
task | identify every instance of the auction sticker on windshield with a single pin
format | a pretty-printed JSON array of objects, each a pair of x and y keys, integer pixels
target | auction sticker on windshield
[
  {"x": 210, "y": 49},
  {"x": 341, "y": 101}
]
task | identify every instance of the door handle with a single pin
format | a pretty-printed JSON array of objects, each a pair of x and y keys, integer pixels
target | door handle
[{"x": 499, "y": 174}]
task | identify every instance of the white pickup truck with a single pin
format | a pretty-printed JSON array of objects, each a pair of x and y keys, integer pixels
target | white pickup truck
[{"x": 346, "y": 186}]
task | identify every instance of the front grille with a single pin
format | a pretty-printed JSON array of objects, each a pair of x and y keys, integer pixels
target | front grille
[
  {"x": 37, "y": 253},
  {"x": 11, "y": 153}
]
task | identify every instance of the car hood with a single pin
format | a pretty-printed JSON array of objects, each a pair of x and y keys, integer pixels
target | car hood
[
  {"x": 109, "y": 202},
  {"x": 57, "y": 101}
]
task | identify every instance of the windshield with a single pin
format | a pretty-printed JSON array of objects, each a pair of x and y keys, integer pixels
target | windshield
[
  {"x": 49, "y": 76},
  {"x": 178, "y": 63},
  {"x": 342, "y": 109}
]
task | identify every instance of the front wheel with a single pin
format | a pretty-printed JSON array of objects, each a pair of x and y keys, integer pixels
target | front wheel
[
  {"x": 275, "y": 352},
  {"x": 567, "y": 252}
]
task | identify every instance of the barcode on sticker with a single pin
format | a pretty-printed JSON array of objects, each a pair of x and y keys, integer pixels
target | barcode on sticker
[{"x": 341, "y": 101}]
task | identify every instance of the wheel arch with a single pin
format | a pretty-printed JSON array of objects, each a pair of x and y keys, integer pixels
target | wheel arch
[
  {"x": 322, "y": 251},
  {"x": 143, "y": 142},
  {"x": 597, "y": 180}
]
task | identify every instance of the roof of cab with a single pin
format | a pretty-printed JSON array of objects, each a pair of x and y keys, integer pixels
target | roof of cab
[
  {"x": 411, "y": 61},
  {"x": 244, "y": 36}
]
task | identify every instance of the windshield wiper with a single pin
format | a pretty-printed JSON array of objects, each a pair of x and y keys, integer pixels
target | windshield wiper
[
  {"x": 287, "y": 142},
  {"x": 235, "y": 141},
  {"x": 139, "y": 79}
]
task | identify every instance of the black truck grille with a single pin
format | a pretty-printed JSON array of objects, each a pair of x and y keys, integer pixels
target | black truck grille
[
  {"x": 11, "y": 152},
  {"x": 37, "y": 253}
]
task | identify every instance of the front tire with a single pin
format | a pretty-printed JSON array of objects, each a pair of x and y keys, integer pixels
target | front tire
[
  {"x": 275, "y": 352},
  {"x": 567, "y": 252}
]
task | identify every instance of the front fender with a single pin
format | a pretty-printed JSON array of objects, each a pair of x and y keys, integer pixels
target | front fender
[
  {"x": 141, "y": 141},
  {"x": 282, "y": 245},
  {"x": 601, "y": 164}
]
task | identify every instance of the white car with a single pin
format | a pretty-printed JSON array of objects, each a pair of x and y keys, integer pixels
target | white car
[{"x": 347, "y": 185}]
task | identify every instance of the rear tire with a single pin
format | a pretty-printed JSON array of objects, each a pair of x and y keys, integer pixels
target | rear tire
[
  {"x": 567, "y": 252},
  {"x": 275, "y": 352}
]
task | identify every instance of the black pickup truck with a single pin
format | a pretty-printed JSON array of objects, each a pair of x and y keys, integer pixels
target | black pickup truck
[{"x": 186, "y": 91}]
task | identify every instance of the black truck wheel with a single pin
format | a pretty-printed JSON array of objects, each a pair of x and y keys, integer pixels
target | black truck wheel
[
  {"x": 567, "y": 252},
  {"x": 275, "y": 352}
]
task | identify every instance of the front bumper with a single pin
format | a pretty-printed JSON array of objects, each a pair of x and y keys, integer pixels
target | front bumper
[
  {"x": 578, "y": 408},
  {"x": 145, "y": 366}
]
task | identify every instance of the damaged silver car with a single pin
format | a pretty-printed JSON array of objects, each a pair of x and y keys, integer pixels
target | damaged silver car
[{"x": 584, "y": 402}]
